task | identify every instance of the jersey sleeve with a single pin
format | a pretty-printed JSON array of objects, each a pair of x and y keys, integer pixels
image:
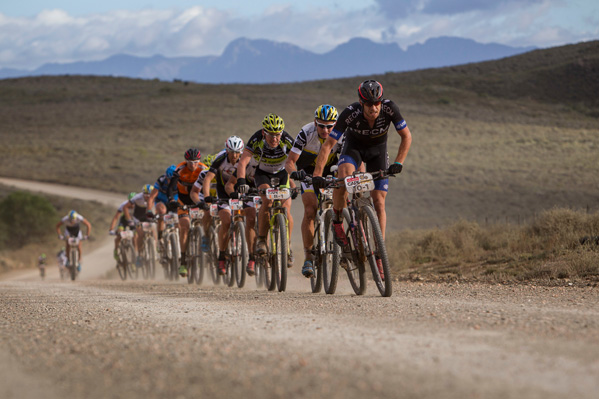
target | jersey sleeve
[
  {"x": 393, "y": 112},
  {"x": 300, "y": 142}
]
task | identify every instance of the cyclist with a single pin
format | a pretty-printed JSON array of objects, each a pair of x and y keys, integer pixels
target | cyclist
[
  {"x": 119, "y": 221},
  {"x": 159, "y": 197},
  {"x": 184, "y": 178},
  {"x": 270, "y": 147},
  {"x": 301, "y": 162},
  {"x": 365, "y": 125},
  {"x": 41, "y": 264},
  {"x": 135, "y": 212},
  {"x": 72, "y": 222},
  {"x": 222, "y": 167},
  {"x": 249, "y": 211}
]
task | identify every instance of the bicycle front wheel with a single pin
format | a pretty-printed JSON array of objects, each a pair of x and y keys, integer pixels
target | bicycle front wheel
[
  {"x": 73, "y": 261},
  {"x": 375, "y": 251},
  {"x": 175, "y": 262},
  {"x": 192, "y": 253},
  {"x": 151, "y": 257},
  {"x": 329, "y": 260},
  {"x": 240, "y": 253},
  {"x": 214, "y": 255},
  {"x": 351, "y": 262},
  {"x": 280, "y": 250}
]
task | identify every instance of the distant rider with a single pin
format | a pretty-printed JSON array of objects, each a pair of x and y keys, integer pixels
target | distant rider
[{"x": 72, "y": 222}]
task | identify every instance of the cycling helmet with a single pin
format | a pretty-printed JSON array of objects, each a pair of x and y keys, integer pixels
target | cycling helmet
[
  {"x": 73, "y": 215},
  {"x": 131, "y": 195},
  {"x": 193, "y": 154},
  {"x": 147, "y": 188},
  {"x": 43, "y": 255},
  {"x": 326, "y": 112},
  {"x": 370, "y": 90},
  {"x": 273, "y": 123},
  {"x": 234, "y": 144},
  {"x": 170, "y": 171}
]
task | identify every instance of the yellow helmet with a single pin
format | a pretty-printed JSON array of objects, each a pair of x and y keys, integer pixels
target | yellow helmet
[{"x": 273, "y": 123}]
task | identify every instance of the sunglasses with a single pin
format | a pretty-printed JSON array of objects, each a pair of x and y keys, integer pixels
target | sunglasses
[
  {"x": 196, "y": 161},
  {"x": 371, "y": 104},
  {"x": 323, "y": 126},
  {"x": 273, "y": 135}
]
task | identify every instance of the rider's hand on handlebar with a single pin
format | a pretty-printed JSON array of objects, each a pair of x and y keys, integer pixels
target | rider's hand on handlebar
[
  {"x": 298, "y": 174},
  {"x": 61, "y": 237},
  {"x": 111, "y": 232},
  {"x": 318, "y": 182},
  {"x": 395, "y": 168},
  {"x": 209, "y": 199},
  {"x": 241, "y": 186},
  {"x": 131, "y": 223},
  {"x": 234, "y": 195},
  {"x": 150, "y": 215},
  {"x": 173, "y": 205}
]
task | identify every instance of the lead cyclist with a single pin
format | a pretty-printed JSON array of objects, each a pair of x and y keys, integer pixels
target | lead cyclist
[{"x": 365, "y": 125}]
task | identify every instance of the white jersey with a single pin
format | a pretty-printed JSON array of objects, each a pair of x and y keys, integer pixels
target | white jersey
[
  {"x": 307, "y": 145},
  {"x": 72, "y": 223},
  {"x": 123, "y": 206},
  {"x": 139, "y": 201}
]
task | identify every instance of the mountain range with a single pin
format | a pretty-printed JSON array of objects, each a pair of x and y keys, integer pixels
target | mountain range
[{"x": 264, "y": 61}]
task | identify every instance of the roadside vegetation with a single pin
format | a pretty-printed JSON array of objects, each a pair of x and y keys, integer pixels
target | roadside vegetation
[{"x": 497, "y": 146}]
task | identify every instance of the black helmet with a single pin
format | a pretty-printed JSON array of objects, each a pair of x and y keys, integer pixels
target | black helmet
[
  {"x": 193, "y": 154},
  {"x": 370, "y": 90}
]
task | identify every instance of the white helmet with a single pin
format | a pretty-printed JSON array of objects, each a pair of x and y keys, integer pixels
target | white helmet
[{"x": 234, "y": 144}]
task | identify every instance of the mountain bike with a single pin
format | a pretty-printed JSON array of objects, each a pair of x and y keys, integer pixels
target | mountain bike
[
  {"x": 237, "y": 248},
  {"x": 196, "y": 258},
  {"x": 126, "y": 251},
  {"x": 73, "y": 256},
  {"x": 278, "y": 248},
  {"x": 171, "y": 253},
  {"x": 363, "y": 232}
]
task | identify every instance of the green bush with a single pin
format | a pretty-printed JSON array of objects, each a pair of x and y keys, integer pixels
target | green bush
[{"x": 24, "y": 218}]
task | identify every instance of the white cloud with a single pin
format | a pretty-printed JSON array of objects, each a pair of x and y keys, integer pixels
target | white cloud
[{"x": 55, "y": 36}]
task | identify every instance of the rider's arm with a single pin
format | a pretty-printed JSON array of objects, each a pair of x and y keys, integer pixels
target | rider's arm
[
  {"x": 58, "y": 228},
  {"x": 206, "y": 184},
  {"x": 152, "y": 198},
  {"x": 88, "y": 225},
  {"x": 243, "y": 162},
  {"x": 115, "y": 219},
  {"x": 404, "y": 147},
  {"x": 194, "y": 194},
  {"x": 290, "y": 164},
  {"x": 127, "y": 212},
  {"x": 323, "y": 155},
  {"x": 230, "y": 185}
]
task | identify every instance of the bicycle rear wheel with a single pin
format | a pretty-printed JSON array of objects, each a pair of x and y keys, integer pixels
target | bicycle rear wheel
[
  {"x": 240, "y": 257},
  {"x": 375, "y": 250},
  {"x": 121, "y": 265},
  {"x": 353, "y": 265},
  {"x": 151, "y": 257},
  {"x": 330, "y": 258},
  {"x": 280, "y": 250},
  {"x": 132, "y": 270}
]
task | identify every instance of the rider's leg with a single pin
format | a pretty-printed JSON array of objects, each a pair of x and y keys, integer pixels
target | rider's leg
[
  {"x": 310, "y": 204},
  {"x": 263, "y": 222},
  {"x": 340, "y": 194},
  {"x": 378, "y": 199},
  {"x": 183, "y": 232},
  {"x": 223, "y": 232},
  {"x": 160, "y": 210},
  {"x": 250, "y": 232}
]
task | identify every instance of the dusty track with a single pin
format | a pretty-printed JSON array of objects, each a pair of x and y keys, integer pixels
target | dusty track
[{"x": 98, "y": 338}]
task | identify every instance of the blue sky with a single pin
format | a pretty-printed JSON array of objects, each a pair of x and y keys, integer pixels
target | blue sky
[{"x": 34, "y": 32}]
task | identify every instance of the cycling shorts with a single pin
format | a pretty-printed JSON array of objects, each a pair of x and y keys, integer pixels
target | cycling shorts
[
  {"x": 263, "y": 177},
  {"x": 373, "y": 157}
]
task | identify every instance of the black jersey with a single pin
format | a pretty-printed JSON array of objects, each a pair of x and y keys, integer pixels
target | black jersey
[{"x": 355, "y": 126}]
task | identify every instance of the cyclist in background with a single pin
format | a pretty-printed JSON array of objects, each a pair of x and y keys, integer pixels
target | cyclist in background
[
  {"x": 72, "y": 222},
  {"x": 61, "y": 260},
  {"x": 301, "y": 162},
  {"x": 119, "y": 221},
  {"x": 41, "y": 264},
  {"x": 135, "y": 212},
  {"x": 184, "y": 178},
  {"x": 222, "y": 168},
  {"x": 365, "y": 125},
  {"x": 270, "y": 147},
  {"x": 159, "y": 197}
]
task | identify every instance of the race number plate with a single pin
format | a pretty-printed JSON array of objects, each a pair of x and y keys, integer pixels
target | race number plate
[
  {"x": 73, "y": 241},
  {"x": 146, "y": 226},
  {"x": 236, "y": 205},
  {"x": 195, "y": 213},
  {"x": 213, "y": 210},
  {"x": 257, "y": 202},
  {"x": 359, "y": 183},
  {"x": 127, "y": 234},
  {"x": 277, "y": 193},
  {"x": 171, "y": 219}
]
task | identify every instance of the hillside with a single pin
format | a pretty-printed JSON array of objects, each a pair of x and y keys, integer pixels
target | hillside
[{"x": 492, "y": 141}]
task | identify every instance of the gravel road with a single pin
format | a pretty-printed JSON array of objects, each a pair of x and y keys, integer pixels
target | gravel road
[{"x": 100, "y": 337}]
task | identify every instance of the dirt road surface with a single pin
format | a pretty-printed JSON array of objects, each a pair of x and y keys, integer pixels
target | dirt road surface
[{"x": 100, "y": 337}]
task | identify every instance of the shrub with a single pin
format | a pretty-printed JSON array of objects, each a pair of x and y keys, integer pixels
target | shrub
[{"x": 25, "y": 218}]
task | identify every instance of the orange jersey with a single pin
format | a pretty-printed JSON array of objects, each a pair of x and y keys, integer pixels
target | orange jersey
[{"x": 187, "y": 177}]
